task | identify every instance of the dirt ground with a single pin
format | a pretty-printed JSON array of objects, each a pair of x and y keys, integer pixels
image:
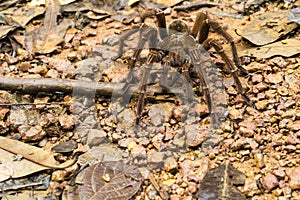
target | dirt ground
[{"x": 176, "y": 144}]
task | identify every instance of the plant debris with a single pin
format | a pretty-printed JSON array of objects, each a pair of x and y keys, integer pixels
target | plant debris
[
  {"x": 109, "y": 180},
  {"x": 219, "y": 183}
]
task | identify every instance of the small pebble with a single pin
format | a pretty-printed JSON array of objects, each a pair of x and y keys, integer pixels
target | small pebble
[{"x": 269, "y": 182}]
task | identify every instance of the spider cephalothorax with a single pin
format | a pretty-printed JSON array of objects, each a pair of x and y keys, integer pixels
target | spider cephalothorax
[{"x": 182, "y": 48}]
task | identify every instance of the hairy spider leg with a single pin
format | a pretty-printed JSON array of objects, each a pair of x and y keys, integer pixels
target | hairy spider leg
[
  {"x": 200, "y": 31},
  {"x": 218, "y": 28},
  {"x": 195, "y": 58},
  {"x": 232, "y": 68},
  {"x": 154, "y": 55},
  {"x": 146, "y": 34},
  {"x": 160, "y": 18}
]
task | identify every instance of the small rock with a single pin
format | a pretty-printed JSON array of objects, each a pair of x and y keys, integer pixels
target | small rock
[
  {"x": 139, "y": 151},
  {"x": 262, "y": 104},
  {"x": 279, "y": 173},
  {"x": 294, "y": 176},
  {"x": 40, "y": 69},
  {"x": 192, "y": 187},
  {"x": 235, "y": 114},
  {"x": 269, "y": 182},
  {"x": 170, "y": 164},
  {"x": 247, "y": 128},
  {"x": 131, "y": 145},
  {"x": 72, "y": 56},
  {"x": 257, "y": 78},
  {"x": 195, "y": 135},
  {"x": 255, "y": 67},
  {"x": 67, "y": 121},
  {"x": 65, "y": 147},
  {"x": 283, "y": 91},
  {"x": 34, "y": 133},
  {"x": 294, "y": 125},
  {"x": 127, "y": 118},
  {"x": 240, "y": 143},
  {"x": 116, "y": 137},
  {"x": 18, "y": 117},
  {"x": 62, "y": 65},
  {"x": 260, "y": 161},
  {"x": 155, "y": 159},
  {"x": 52, "y": 73},
  {"x": 178, "y": 113},
  {"x": 24, "y": 66},
  {"x": 144, "y": 141},
  {"x": 125, "y": 142},
  {"x": 290, "y": 148},
  {"x": 275, "y": 78},
  {"x": 169, "y": 182},
  {"x": 58, "y": 175},
  {"x": 277, "y": 61},
  {"x": 160, "y": 113},
  {"x": 250, "y": 187},
  {"x": 260, "y": 87}
]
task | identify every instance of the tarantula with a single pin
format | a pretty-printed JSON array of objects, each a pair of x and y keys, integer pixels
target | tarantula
[{"x": 181, "y": 48}]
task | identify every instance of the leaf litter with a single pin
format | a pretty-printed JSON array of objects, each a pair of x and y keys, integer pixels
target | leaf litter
[
  {"x": 46, "y": 38},
  {"x": 267, "y": 27},
  {"x": 107, "y": 180},
  {"x": 34, "y": 158}
]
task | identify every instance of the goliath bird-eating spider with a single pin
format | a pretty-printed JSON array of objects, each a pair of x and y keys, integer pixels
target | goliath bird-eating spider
[{"x": 180, "y": 47}]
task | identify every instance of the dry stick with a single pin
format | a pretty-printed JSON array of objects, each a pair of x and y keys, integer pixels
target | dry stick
[{"x": 48, "y": 85}]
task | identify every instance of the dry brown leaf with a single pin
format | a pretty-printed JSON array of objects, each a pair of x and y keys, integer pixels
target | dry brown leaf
[
  {"x": 219, "y": 182},
  {"x": 267, "y": 28},
  {"x": 5, "y": 29},
  {"x": 45, "y": 39},
  {"x": 286, "y": 48},
  {"x": 42, "y": 2},
  {"x": 5, "y": 171},
  {"x": 43, "y": 159},
  {"x": 18, "y": 168},
  {"x": 24, "y": 14},
  {"x": 109, "y": 181}
]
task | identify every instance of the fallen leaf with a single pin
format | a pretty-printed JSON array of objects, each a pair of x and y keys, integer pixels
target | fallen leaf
[
  {"x": 45, "y": 39},
  {"x": 267, "y": 28},
  {"x": 18, "y": 168},
  {"x": 24, "y": 14},
  {"x": 167, "y": 2},
  {"x": 286, "y": 48},
  {"x": 219, "y": 182},
  {"x": 6, "y": 4},
  {"x": 5, "y": 172},
  {"x": 109, "y": 180},
  {"x": 34, "y": 155},
  {"x": 5, "y": 29},
  {"x": 42, "y": 2},
  {"x": 100, "y": 7}
]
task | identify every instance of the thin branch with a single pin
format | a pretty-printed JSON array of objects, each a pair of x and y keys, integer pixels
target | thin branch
[{"x": 77, "y": 87}]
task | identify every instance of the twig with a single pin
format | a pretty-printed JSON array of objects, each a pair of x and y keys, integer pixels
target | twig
[
  {"x": 77, "y": 87},
  {"x": 195, "y": 6}
]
